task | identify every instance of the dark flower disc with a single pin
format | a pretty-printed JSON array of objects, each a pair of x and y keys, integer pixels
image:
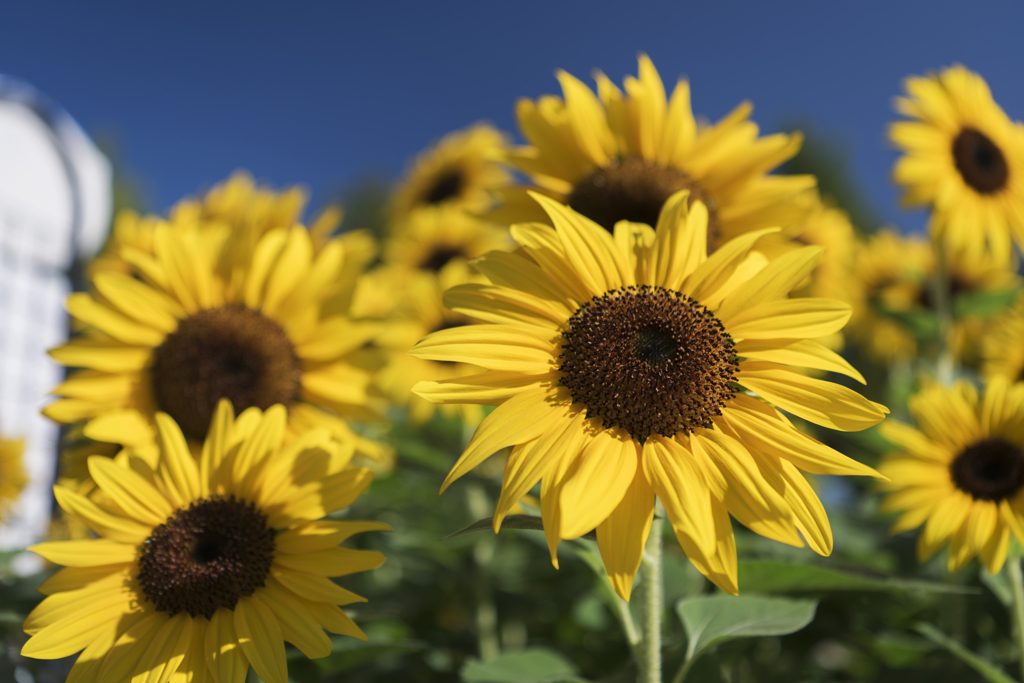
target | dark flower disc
[
  {"x": 990, "y": 469},
  {"x": 206, "y": 556},
  {"x": 980, "y": 161},
  {"x": 649, "y": 360},
  {"x": 231, "y": 352},
  {"x": 633, "y": 189}
]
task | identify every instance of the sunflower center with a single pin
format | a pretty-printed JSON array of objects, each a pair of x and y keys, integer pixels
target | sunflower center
[
  {"x": 206, "y": 556},
  {"x": 980, "y": 161},
  {"x": 649, "y": 360},
  {"x": 440, "y": 256},
  {"x": 231, "y": 352},
  {"x": 447, "y": 185},
  {"x": 633, "y": 189},
  {"x": 991, "y": 469}
]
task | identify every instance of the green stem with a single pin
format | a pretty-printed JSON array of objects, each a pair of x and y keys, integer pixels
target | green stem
[
  {"x": 483, "y": 554},
  {"x": 1017, "y": 587},
  {"x": 633, "y": 637},
  {"x": 946, "y": 363},
  {"x": 650, "y": 572}
]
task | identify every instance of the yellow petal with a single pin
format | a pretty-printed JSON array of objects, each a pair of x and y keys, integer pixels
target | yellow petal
[
  {"x": 680, "y": 242},
  {"x": 297, "y": 627},
  {"x": 502, "y": 305},
  {"x": 90, "y": 553},
  {"x": 223, "y": 655},
  {"x": 73, "y": 603},
  {"x": 587, "y": 119},
  {"x": 491, "y": 388},
  {"x": 292, "y": 266},
  {"x": 554, "y": 479},
  {"x": 315, "y": 500},
  {"x": 133, "y": 494},
  {"x": 313, "y": 587},
  {"x": 605, "y": 472},
  {"x": 178, "y": 468},
  {"x": 622, "y": 536},
  {"x": 259, "y": 636},
  {"x": 73, "y": 578},
  {"x": 129, "y": 427},
  {"x": 322, "y": 534},
  {"x": 332, "y": 561},
  {"x": 263, "y": 258},
  {"x": 170, "y": 643},
  {"x": 775, "y": 281},
  {"x": 589, "y": 247},
  {"x": 515, "y": 348},
  {"x": 128, "y": 651},
  {"x": 106, "y": 524},
  {"x": 518, "y": 420},
  {"x": 805, "y": 353},
  {"x": 87, "y": 666},
  {"x": 712, "y": 274},
  {"x": 790, "y": 319},
  {"x": 89, "y": 311},
  {"x": 140, "y": 301},
  {"x": 823, "y": 403},
  {"x": 670, "y": 469},
  {"x": 102, "y": 355}
]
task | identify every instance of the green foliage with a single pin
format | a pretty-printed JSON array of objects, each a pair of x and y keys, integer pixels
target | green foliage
[
  {"x": 989, "y": 671},
  {"x": 760, "y": 576},
  {"x": 533, "y": 665}
]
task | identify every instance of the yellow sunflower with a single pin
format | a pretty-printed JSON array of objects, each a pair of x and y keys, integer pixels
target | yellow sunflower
[
  {"x": 464, "y": 170},
  {"x": 12, "y": 473},
  {"x": 626, "y": 367},
  {"x": 960, "y": 473},
  {"x": 420, "y": 313},
  {"x": 965, "y": 158},
  {"x": 427, "y": 239},
  {"x": 1002, "y": 352},
  {"x": 237, "y": 203},
  {"x": 207, "y": 567},
  {"x": 894, "y": 277},
  {"x": 615, "y": 156},
  {"x": 198, "y": 321}
]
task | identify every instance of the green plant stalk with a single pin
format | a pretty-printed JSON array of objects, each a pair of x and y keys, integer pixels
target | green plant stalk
[
  {"x": 1017, "y": 589},
  {"x": 625, "y": 617},
  {"x": 945, "y": 364},
  {"x": 651, "y": 577},
  {"x": 483, "y": 553}
]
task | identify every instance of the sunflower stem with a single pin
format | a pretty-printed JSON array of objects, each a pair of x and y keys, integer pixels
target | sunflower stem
[
  {"x": 945, "y": 364},
  {"x": 650, "y": 572},
  {"x": 483, "y": 553},
  {"x": 1017, "y": 587}
]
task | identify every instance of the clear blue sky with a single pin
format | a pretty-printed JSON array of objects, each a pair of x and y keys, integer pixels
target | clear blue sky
[{"x": 318, "y": 93}]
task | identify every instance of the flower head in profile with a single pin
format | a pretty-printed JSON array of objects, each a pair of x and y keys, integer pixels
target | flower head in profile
[
  {"x": 632, "y": 365},
  {"x": 963, "y": 157},
  {"x": 207, "y": 316},
  {"x": 205, "y": 567},
  {"x": 620, "y": 155},
  {"x": 960, "y": 472},
  {"x": 464, "y": 170}
]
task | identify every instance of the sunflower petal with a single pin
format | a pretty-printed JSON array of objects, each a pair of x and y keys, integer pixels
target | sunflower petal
[
  {"x": 606, "y": 468},
  {"x": 622, "y": 536},
  {"x": 259, "y": 636}
]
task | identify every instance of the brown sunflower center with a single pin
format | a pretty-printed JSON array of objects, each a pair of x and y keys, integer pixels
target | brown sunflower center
[
  {"x": 447, "y": 185},
  {"x": 440, "y": 256},
  {"x": 980, "y": 161},
  {"x": 231, "y": 352},
  {"x": 649, "y": 360},
  {"x": 633, "y": 189},
  {"x": 991, "y": 469},
  {"x": 206, "y": 556}
]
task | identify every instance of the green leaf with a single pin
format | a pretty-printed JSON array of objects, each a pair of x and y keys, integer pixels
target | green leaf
[
  {"x": 988, "y": 670},
  {"x": 763, "y": 576},
  {"x": 984, "y": 304},
  {"x": 713, "y": 619},
  {"x": 527, "y": 522},
  {"x": 999, "y": 584},
  {"x": 532, "y": 665},
  {"x": 921, "y": 323}
]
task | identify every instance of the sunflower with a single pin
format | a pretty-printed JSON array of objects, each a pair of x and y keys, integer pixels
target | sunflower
[
  {"x": 464, "y": 170},
  {"x": 12, "y": 473},
  {"x": 624, "y": 367},
  {"x": 420, "y": 313},
  {"x": 965, "y": 158},
  {"x": 237, "y": 203},
  {"x": 205, "y": 568},
  {"x": 894, "y": 278},
  {"x": 427, "y": 239},
  {"x": 202, "y": 319},
  {"x": 960, "y": 473},
  {"x": 1002, "y": 353},
  {"x": 618, "y": 156}
]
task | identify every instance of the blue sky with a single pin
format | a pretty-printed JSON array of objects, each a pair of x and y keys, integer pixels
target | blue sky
[{"x": 318, "y": 93}]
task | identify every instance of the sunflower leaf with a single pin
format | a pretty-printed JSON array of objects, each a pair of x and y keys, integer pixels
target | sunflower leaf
[
  {"x": 714, "y": 619},
  {"x": 984, "y": 304},
  {"x": 988, "y": 670},
  {"x": 765, "y": 576},
  {"x": 919, "y": 322},
  {"x": 532, "y": 665}
]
